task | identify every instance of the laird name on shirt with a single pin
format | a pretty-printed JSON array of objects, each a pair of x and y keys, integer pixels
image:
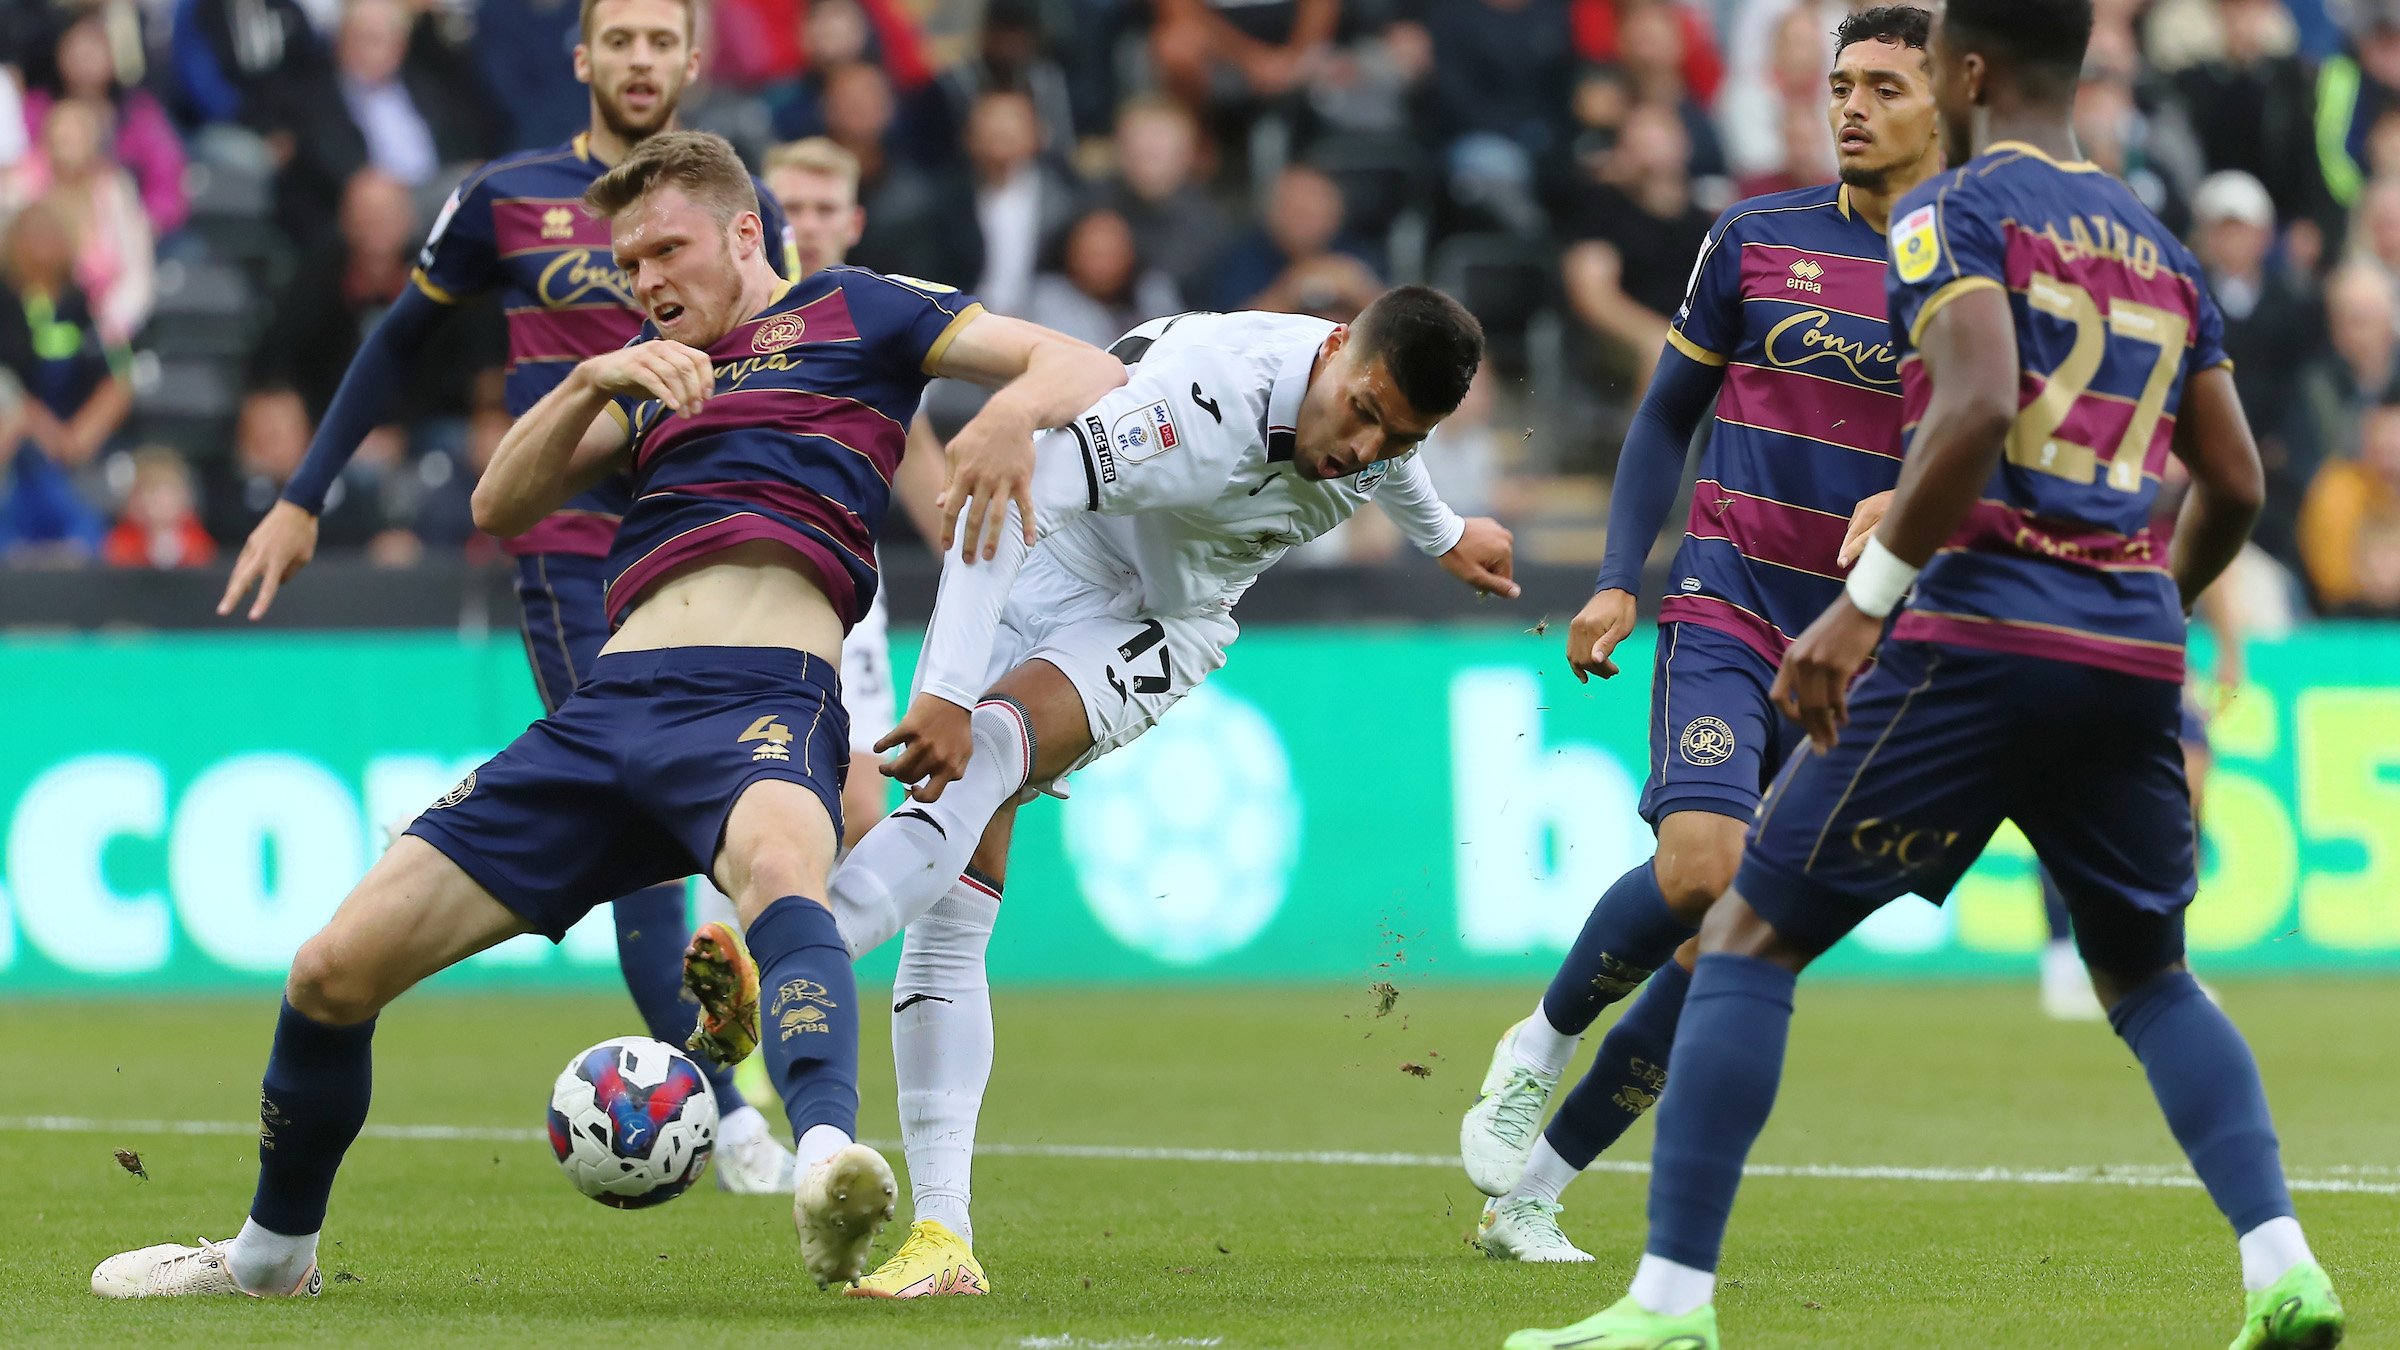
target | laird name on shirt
[{"x": 2106, "y": 239}]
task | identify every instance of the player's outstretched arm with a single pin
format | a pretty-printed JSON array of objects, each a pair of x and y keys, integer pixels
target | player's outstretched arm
[
  {"x": 1649, "y": 474},
  {"x": 574, "y": 437},
  {"x": 1044, "y": 379},
  {"x": 284, "y": 542},
  {"x": 2212, "y": 438},
  {"x": 1969, "y": 348},
  {"x": 1480, "y": 552}
]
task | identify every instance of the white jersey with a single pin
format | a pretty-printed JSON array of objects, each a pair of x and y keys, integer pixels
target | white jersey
[
  {"x": 1172, "y": 494},
  {"x": 1187, "y": 467}
]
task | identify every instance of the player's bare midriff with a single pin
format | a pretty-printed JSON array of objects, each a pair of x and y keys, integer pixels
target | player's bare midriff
[{"x": 752, "y": 594}]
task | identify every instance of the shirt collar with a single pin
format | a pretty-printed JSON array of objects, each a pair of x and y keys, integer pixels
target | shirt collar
[{"x": 1283, "y": 399}]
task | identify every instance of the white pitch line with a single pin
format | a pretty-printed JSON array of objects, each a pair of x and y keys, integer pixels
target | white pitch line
[{"x": 2338, "y": 1179}]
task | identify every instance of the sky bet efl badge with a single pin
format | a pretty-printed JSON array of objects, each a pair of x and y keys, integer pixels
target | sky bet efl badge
[
  {"x": 1145, "y": 433},
  {"x": 1916, "y": 247}
]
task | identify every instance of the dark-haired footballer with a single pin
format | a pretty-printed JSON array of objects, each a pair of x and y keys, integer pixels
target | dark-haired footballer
[
  {"x": 1784, "y": 334},
  {"x": 2059, "y": 344},
  {"x": 1237, "y": 437}
]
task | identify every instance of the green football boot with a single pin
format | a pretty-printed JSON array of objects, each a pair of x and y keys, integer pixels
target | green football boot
[
  {"x": 1630, "y": 1326},
  {"x": 2297, "y": 1312}
]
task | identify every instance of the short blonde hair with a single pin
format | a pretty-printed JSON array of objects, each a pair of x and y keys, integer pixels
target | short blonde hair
[
  {"x": 817, "y": 154},
  {"x": 702, "y": 164}
]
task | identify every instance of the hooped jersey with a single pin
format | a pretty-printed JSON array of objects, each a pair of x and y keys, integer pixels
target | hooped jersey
[
  {"x": 2113, "y": 316},
  {"x": 1189, "y": 484},
  {"x": 1788, "y": 297},
  {"x": 799, "y": 443},
  {"x": 518, "y": 225}
]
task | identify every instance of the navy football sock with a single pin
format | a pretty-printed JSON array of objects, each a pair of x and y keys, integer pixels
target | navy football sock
[
  {"x": 1626, "y": 1075},
  {"x": 310, "y": 1106},
  {"x": 1629, "y": 934},
  {"x": 653, "y": 928},
  {"x": 809, "y": 1028},
  {"x": 1728, "y": 1063},
  {"x": 2206, "y": 1081}
]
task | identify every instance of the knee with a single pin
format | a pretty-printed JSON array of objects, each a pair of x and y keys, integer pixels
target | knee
[
  {"x": 327, "y": 988},
  {"x": 1691, "y": 879}
]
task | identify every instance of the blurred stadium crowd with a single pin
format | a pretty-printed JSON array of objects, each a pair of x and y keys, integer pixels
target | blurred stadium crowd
[{"x": 207, "y": 203}]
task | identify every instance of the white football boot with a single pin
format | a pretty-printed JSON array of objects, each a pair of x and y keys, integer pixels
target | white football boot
[
  {"x": 1525, "y": 1229},
  {"x": 839, "y": 1207},
  {"x": 173, "y": 1271},
  {"x": 759, "y": 1165},
  {"x": 1496, "y": 1138}
]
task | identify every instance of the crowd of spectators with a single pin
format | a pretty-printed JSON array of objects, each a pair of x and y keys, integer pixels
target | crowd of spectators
[{"x": 1089, "y": 164}]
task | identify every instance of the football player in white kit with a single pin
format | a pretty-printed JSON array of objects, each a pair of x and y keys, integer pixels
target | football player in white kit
[{"x": 1237, "y": 437}]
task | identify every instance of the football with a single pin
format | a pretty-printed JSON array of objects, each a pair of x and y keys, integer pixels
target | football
[{"x": 633, "y": 1122}]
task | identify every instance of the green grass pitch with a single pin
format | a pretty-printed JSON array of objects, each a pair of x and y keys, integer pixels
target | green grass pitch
[{"x": 468, "y": 1243}]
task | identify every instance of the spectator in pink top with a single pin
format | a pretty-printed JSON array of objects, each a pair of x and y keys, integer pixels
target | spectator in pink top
[
  {"x": 142, "y": 138},
  {"x": 69, "y": 170}
]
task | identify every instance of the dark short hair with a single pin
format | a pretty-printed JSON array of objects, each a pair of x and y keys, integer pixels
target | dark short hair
[
  {"x": 583, "y": 21},
  {"x": 2040, "y": 39},
  {"x": 1907, "y": 25},
  {"x": 701, "y": 163},
  {"x": 1430, "y": 343}
]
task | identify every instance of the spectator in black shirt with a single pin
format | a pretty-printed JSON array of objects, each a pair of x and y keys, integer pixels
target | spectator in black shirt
[
  {"x": 78, "y": 383},
  {"x": 270, "y": 437},
  {"x": 920, "y": 221},
  {"x": 1176, "y": 226},
  {"x": 2274, "y": 331},
  {"x": 2254, "y": 111},
  {"x": 1296, "y": 260},
  {"x": 1500, "y": 75},
  {"x": 1635, "y": 237}
]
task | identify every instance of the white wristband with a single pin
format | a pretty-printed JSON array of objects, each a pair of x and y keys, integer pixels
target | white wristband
[{"x": 1878, "y": 579}]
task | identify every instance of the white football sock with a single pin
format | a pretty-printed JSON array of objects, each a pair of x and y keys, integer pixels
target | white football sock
[
  {"x": 739, "y": 1126},
  {"x": 1542, "y": 1047},
  {"x": 267, "y": 1262},
  {"x": 821, "y": 1142},
  {"x": 1670, "y": 1289},
  {"x": 1546, "y": 1174},
  {"x": 942, "y": 1050},
  {"x": 2269, "y": 1252},
  {"x": 915, "y": 854}
]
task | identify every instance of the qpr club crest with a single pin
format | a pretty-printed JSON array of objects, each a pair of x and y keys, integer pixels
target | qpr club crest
[
  {"x": 777, "y": 333},
  {"x": 1145, "y": 433},
  {"x": 1707, "y": 741}
]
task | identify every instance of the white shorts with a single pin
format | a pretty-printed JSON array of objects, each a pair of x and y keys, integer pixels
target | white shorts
[
  {"x": 867, "y": 679},
  {"x": 1128, "y": 668}
]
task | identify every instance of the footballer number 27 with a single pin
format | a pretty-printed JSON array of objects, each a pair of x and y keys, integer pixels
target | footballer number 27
[{"x": 2034, "y": 442}]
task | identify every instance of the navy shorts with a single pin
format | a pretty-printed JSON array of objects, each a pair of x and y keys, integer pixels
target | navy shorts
[
  {"x": 1715, "y": 740},
  {"x": 1946, "y": 742},
  {"x": 563, "y": 597},
  {"x": 629, "y": 783}
]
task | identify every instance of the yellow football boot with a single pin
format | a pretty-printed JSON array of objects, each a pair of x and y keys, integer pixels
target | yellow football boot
[
  {"x": 718, "y": 972},
  {"x": 934, "y": 1261}
]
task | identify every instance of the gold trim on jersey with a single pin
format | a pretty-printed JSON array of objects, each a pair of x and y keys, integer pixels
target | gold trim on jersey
[
  {"x": 1693, "y": 349},
  {"x": 950, "y": 332},
  {"x": 1949, "y": 292}
]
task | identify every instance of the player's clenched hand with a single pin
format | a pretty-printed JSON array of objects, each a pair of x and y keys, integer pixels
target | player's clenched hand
[
  {"x": 1606, "y": 618},
  {"x": 991, "y": 465},
  {"x": 1862, "y": 526},
  {"x": 936, "y": 739},
  {"x": 676, "y": 375},
  {"x": 1813, "y": 688},
  {"x": 1485, "y": 558},
  {"x": 278, "y": 548}
]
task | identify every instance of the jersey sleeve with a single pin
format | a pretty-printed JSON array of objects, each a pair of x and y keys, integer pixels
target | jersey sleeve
[
  {"x": 1424, "y": 519},
  {"x": 911, "y": 323},
  {"x": 1709, "y": 325},
  {"x": 1149, "y": 446},
  {"x": 1942, "y": 248},
  {"x": 461, "y": 256}
]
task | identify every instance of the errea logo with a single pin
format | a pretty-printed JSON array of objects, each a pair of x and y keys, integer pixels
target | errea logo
[
  {"x": 558, "y": 223},
  {"x": 1804, "y": 276}
]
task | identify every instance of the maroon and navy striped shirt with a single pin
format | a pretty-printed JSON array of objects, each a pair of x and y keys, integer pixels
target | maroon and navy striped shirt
[
  {"x": 1788, "y": 297},
  {"x": 2113, "y": 316},
  {"x": 800, "y": 441}
]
